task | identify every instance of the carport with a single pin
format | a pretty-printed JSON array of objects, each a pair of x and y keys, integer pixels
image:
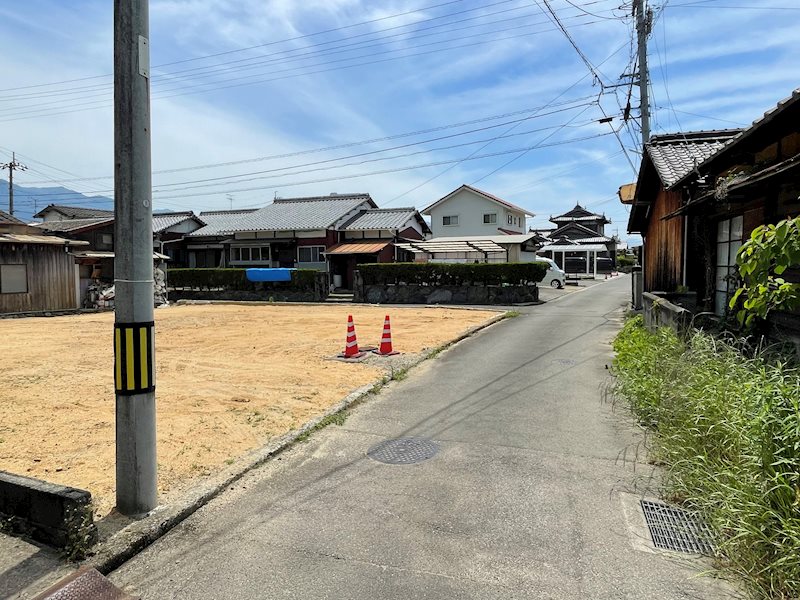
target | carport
[
  {"x": 564, "y": 251},
  {"x": 455, "y": 251}
]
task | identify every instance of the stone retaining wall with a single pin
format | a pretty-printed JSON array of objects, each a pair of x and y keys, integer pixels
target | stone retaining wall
[
  {"x": 240, "y": 295},
  {"x": 54, "y": 514},
  {"x": 446, "y": 294}
]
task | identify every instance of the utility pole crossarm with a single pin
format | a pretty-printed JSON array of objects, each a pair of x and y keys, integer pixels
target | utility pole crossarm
[{"x": 12, "y": 166}]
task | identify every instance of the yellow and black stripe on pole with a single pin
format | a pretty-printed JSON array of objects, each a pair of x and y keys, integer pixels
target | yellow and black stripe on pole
[{"x": 134, "y": 368}]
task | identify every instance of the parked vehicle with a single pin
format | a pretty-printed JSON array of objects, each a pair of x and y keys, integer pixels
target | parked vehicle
[{"x": 554, "y": 277}]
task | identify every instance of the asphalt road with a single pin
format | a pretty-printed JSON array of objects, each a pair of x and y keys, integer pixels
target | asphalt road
[{"x": 531, "y": 493}]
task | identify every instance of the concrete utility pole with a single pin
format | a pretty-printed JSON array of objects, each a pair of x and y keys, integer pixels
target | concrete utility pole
[
  {"x": 134, "y": 336},
  {"x": 643, "y": 23},
  {"x": 12, "y": 166}
]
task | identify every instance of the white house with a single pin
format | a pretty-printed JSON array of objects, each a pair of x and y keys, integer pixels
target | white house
[{"x": 468, "y": 211}]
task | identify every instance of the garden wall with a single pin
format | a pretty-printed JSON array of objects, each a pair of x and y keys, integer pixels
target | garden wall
[
  {"x": 232, "y": 284},
  {"x": 445, "y": 294}
]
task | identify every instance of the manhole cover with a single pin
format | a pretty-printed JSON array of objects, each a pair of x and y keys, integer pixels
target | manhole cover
[
  {"x": 565, "y": 362},
  {"x": 675, "y": 529},
  {"x": 403, "y": 451}
]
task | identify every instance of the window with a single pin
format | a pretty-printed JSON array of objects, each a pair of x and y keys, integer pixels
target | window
[
  {"x": 729, "y": 240},
  {"x": 13, "y": 279},
  {"x": 510, "y": 220},
  {"x": 250, "y": 254},
  {"x": 490, "y": 218},
  {"x": 450, "y": 220},
  {"x": 310, "y": 254},
  {"x": 107, "y": 239}
]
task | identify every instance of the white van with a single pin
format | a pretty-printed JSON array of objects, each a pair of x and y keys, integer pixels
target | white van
[{"x": 554, "y": 277}]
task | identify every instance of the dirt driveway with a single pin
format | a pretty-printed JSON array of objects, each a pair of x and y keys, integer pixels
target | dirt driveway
[{"x": 229, "y": 378}]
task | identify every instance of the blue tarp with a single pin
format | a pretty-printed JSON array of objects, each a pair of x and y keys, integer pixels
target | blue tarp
[{"x": 269, "y": 274}]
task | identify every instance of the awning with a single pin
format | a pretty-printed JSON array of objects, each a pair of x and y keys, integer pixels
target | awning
[
  {"x": 443, "y": 246},
  {"x": 357, "y": 248},
  {"x": 573, "y": 248},
  {"x": 105, "y": 254},
  {"x": 24, "y": 238}
]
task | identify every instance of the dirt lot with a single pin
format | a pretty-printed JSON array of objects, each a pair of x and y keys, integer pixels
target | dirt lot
[{"x": 229, "y": 378}]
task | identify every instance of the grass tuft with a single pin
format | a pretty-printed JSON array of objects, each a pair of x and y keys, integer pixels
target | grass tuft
[{"x": 727, "y": 429}]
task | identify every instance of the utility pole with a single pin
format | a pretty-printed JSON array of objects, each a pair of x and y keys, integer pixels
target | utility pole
[
  {"x": 134, "y": 335},
  {"x": 12, "y": 166},
  {"x": 644, "y": 18}
]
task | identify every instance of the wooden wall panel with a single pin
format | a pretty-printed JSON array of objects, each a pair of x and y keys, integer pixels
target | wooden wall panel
[
  {"x": 51, "y": 278},
  {"x": 664, "y": 245}
]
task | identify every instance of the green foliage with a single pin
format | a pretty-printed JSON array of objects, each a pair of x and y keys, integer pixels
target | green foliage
[
  {"x": 235, "y": 279},
  {"x": 453, "y": 274},
  {"x": 762, "y": 260},
  {"x": 625, "y": 260},
  {"x": 728, "y": 431}
]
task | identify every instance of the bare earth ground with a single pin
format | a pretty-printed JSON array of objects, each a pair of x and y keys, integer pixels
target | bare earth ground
[{"x": 229, "y": 378}]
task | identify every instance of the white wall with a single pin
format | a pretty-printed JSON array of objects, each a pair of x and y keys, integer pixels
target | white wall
[{"x": 470, "y": 207}]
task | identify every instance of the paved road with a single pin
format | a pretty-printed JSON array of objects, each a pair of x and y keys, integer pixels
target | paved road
[{"x": 526, "y": 497}]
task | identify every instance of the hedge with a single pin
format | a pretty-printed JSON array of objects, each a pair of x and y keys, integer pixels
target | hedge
[
  {"x": 453, "y": 273},
  {"x": 235, "y": 279}
]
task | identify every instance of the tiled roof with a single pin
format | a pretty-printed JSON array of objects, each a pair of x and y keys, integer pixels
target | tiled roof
[
  {"x": 578, "y": 214},
  {"x": 8, "y": 219},
  {"x": 219, "y": 222},
  {"x": 579, "y": 233},
  {"x": 674, "y": 155},
  {"x": 299, "y": 214},
  {"x": 76, "y": 212},
  {"x": 742, "y": 135},
  {"x": 162, "y": 221},
  {"x": 505, "y": 203},
  {"x": 73, "y": 224},
  {"x": 380, "y": 218}
]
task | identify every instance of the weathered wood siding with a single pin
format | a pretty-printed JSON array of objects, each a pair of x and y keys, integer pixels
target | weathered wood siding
[
  {"x": 51, "y": 278},
  {"x": 663, "y": 252}
]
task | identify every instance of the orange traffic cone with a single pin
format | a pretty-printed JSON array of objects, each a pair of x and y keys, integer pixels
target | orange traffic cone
[
  {"x": 386, "y": 340},
  {"x": 351, "y": 345}
]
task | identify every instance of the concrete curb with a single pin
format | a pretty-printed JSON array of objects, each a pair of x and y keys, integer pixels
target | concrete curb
[{"x": 137, "y": 536}]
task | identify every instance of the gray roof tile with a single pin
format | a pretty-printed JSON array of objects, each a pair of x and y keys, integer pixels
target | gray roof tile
[
  {"x": 380, "y": 218},
  {"x": 73, "y": 224},
  {"x": 162, "y": 221},
  {"x": 298, "y": 214},
  {"x": 76, "y": 212},
  {"x": 676, "y": 154},
  {"x": 219, "y": 222},
  {"x": 7, "y": 219}
]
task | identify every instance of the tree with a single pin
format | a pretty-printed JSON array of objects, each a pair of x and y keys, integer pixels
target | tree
[{"x": 762, "y": 260}]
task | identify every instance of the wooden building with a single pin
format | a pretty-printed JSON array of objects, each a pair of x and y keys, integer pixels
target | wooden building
[
  {"x": 694, "y": 218},
  {"x": 37, "y": 272},
  {"x": 666, "y": 160}
]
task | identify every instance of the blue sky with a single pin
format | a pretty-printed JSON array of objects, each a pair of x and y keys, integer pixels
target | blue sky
[{"x": 501, "y": 69}]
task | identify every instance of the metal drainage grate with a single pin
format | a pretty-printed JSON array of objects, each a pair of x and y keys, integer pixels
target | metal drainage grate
[
  {"x": 675, "y": 529},
  {"x": 403, "y": 451}
]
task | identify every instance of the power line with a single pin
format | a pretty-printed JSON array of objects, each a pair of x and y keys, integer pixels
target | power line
[
  {"x": 424, "y": 8},
  {"x": 534, "y": 112},
  {"x": 200, "y": 88},
  {"x": 386, "y": 171}
]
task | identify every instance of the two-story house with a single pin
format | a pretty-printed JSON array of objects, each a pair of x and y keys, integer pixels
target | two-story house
[{"x": 468, "y": 211}]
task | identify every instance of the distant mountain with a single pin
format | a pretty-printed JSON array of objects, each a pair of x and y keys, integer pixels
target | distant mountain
[{"x": 30, "y": 200}]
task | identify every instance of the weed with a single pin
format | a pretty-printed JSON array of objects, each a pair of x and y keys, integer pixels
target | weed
[
  {"x": 228, "y": 461},
  {"x": 399, "y": 374},
  {"x": 335, "y": 419},
  {"x": 727, "y": 429},
  {"x": 511, "y": 314}
]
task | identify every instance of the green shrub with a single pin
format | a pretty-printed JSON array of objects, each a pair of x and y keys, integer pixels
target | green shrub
[
  {"x": 728, "y": 431},
  {"x": 453, "y": 274},
  {"x": 235, "y": 279}
]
